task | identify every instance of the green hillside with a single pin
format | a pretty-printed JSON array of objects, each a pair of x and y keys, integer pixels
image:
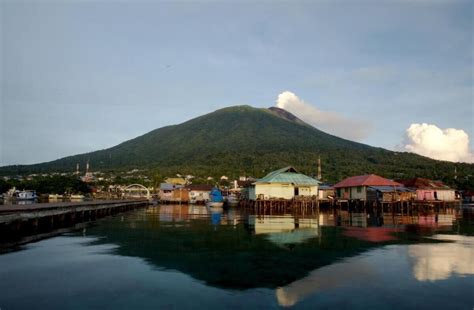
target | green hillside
[{"x": 246, "y": 140}]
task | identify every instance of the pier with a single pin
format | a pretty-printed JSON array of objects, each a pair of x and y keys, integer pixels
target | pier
[{"x": 17, "y": 221}]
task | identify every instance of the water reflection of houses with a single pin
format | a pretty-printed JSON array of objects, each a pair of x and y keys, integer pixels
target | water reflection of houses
[
  {"x": 198, "y": 211},
  {"x": 364, "y": 219},
  {"x": 174, "y": 213},
  {"x": 285, "y": 229},
  {"x": 186, "y": 213}
]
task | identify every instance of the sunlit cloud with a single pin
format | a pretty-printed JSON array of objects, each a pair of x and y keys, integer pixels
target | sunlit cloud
[
  {"x": 330, "y": 122},
  {"x": 444, "y": 144}
]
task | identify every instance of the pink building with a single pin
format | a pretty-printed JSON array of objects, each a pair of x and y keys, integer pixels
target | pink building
[{"x": 430, "y": 190}]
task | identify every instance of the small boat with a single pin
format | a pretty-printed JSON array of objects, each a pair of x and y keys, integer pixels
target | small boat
[
  {"x": 232, "y": 200},
  {"x": 215, "y": 199},
  {"x": 55, "y": 196},
  {"x": 26, "y": 195},
  {"x": 77, "y": 197}
]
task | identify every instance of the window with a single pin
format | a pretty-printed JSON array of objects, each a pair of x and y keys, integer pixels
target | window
[{"x": 359, "y": 189}]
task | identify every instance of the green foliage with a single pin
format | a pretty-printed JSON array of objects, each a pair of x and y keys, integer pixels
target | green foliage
[
  {"x": 4, "y": 186},
  {"x": 248, "y": 141},
  {"x": 49, "y": 185}
]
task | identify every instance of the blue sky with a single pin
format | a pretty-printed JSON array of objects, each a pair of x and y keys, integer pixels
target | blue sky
[{"x": 78, "y": 76}]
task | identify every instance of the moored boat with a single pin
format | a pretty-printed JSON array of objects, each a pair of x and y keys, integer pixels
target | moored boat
[
  {"x": 232, "y": 200},
  {"x": 215, "y": 199},
  {"x": 26, "y": 195},
  {"x": 76, "y": 197},
  {"x": 55, "y": 196}
]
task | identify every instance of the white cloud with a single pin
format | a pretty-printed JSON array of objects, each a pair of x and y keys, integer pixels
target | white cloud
[
  {"x": 444, "y": 144},
  {"x": 331, "y": 122}
]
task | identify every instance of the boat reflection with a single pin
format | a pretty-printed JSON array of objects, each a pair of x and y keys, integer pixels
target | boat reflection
[
  {"x": 216, "y": 215},
  {"x": 26, "y": 202}
]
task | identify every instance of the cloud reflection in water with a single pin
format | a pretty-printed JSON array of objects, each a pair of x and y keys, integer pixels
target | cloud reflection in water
[{"x": 433, "y": 262}]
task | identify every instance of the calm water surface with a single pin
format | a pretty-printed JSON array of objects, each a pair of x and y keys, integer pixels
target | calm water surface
[{"x": 193, "y": 257}]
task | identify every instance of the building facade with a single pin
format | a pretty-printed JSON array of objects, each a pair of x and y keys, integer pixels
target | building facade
[
  {"x": 430, "y": 190},
  {"x": 285, "y": 183},
  {"x": 356, "y": 187}
]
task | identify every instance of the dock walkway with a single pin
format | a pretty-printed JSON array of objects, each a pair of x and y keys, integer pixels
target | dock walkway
[{"x": 42, "y": 217}]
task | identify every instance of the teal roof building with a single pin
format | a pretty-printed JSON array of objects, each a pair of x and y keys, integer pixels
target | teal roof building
[
  {"x": 288, "y": 175},
  {"x": 285, "y": 183}
]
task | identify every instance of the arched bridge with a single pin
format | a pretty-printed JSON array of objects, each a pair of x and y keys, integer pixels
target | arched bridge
[{"x": 136, "y": 191}]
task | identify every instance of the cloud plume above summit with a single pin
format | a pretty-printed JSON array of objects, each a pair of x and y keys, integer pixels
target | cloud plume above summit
[{"x": 330, "y": 122}]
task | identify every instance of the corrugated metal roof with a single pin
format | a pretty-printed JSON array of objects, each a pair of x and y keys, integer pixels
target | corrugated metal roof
[
  {"x": 288, "y": 175},
  {"x": 200, "y": 187},
  {"x": 391, "y": 189},
  {"x": 326, "y": 186},
  {"x": 169, "y": 187},
  {"x": 422, "y": 183},
  {"x": 366, "y": 180}
]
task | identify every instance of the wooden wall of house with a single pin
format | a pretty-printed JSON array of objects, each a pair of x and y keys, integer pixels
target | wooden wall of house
[
  {"x": 282, "y": 191},
  {"x": 181, "y": 195},
  {"x": 199, "y": 195},
  {"x": 324, "y": 193},
  {"x": 355, "y": 192},
  {"x": 373, "y": 195},
  {"x": 436, "y": 194}
]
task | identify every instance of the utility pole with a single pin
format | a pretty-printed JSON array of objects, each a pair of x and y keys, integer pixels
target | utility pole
[{"x": 319, "y": 168}]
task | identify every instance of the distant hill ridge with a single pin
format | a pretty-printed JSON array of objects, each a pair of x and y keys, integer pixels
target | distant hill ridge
[{"x": 253, "y": 141}]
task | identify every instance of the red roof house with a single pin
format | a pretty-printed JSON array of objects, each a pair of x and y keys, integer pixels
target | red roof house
[
  {"x": 356, "y": 187},
  {"x": 366, "y": 180}
]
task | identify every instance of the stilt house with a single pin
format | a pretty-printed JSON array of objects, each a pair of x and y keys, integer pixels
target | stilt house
[
  {"x": 285, "y": 183},
  {"x": 361, "y": 187}
]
